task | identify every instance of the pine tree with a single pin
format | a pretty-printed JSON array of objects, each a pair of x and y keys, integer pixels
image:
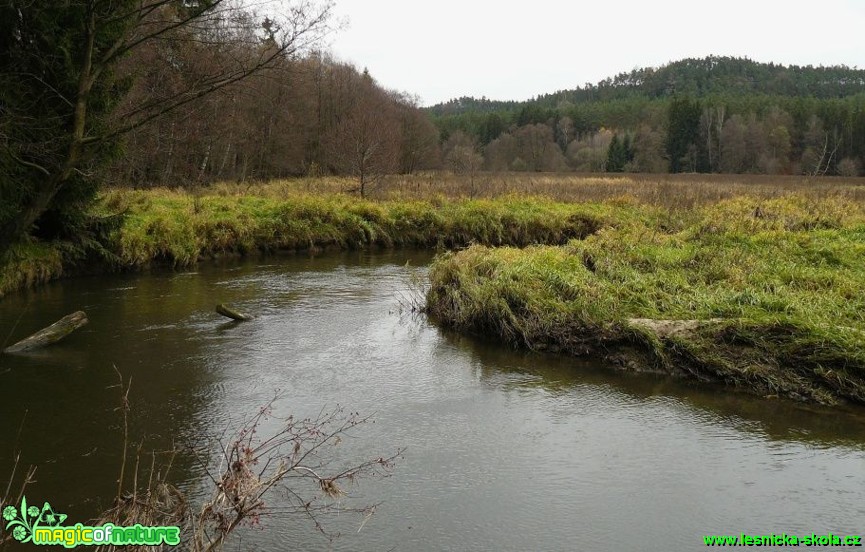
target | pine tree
[
  {"x": 683, "y": 128},
  {"x": 617, "y": 155}
]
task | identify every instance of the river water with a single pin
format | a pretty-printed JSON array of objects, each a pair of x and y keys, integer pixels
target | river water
[{"x": 504, "y": 450}]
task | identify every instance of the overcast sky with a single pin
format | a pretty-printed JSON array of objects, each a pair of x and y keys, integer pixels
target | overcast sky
[{"x": 513, "y": 51}]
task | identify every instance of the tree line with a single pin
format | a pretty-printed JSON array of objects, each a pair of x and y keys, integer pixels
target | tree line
[
  {"x": 698, "y": 77},
  {"x": 722, "y": 115},
  {"x": 186, "y": 92},
  {"x": 309, "y": 115}
]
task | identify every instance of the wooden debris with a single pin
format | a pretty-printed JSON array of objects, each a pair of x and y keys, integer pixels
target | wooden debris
[
  {"x": 52, "y": 334},
  {"x": 229, "y": 312}
]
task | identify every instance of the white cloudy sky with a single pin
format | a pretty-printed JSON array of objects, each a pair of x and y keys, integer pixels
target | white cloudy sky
[{"x": 515, "y": 50}]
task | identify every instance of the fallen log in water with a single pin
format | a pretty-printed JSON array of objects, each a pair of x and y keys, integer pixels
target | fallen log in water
[
  {"x": 231, "y": 313},
  {"x": 52, "y": 334}
]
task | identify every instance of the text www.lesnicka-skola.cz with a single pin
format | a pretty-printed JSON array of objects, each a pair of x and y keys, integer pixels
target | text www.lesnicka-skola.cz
[{"x": 783, "y": 539}]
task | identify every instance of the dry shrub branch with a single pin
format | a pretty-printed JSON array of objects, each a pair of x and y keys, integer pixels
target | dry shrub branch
[{"x": 244, "y": 467}]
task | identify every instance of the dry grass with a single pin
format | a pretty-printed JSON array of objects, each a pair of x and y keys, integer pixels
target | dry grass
[
  {"x": 673, "y": 191},
  {"x": 299, "y": 461}
]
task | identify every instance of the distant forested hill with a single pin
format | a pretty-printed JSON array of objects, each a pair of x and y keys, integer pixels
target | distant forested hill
[
  {"x": 716, "y": 114},
  {"x": 708, "y": 76}
]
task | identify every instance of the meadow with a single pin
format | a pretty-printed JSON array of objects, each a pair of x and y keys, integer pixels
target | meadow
[
  {"x": 670, "y": 191},
  {"x": 137, "y": 228},
  {"x": 752, "y": 281}
]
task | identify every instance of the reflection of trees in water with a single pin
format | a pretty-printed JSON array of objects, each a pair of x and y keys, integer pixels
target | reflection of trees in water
[{"x": 776, "y": 419}]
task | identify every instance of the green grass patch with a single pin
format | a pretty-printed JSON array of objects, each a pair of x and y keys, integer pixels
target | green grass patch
[
  {"x": 179, "y": 229},
  {"x": 763, "y": 294}
]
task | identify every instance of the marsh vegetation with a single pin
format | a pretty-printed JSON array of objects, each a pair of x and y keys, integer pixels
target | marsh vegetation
[{"x": 762, "y": 294}]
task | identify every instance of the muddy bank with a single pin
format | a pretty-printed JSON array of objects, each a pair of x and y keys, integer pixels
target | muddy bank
[{"x": 765, "y": 360}]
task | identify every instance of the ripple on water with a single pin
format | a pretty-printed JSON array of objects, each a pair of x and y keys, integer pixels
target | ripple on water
[{"x": 504, "y": 450}]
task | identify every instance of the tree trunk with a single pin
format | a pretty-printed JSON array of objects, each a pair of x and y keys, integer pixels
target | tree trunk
[
  {"x": 13, "y": 231},
  {"x": 53, "y": 333}
]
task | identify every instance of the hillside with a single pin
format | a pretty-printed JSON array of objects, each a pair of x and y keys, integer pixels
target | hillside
[
  {"x": 710, "y": 76},
  {"x": 717, "y": 114}
]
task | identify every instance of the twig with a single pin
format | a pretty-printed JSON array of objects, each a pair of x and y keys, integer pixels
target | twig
[{"x": 124, "y": 406}]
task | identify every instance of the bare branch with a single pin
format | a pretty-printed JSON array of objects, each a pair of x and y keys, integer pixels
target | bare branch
[{"x": 248, "y": 469}]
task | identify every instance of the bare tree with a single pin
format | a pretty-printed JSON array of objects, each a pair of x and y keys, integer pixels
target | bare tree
[
  {"x": 53, "y": 135},
  {"x": 419, "y": 147},
  {"x": 364, "y": 141},
  {"x": 778, "y": 122},
  {"x": 734, "y": 147},
  {"x": 589, "y": 153},
  {"x": 648, "y": 151},
  {"x": 464, "y": 159},
  {"x": 820, "y": 148},
  {"x": 564, "y": 132},
  {"x": 534, "y": 142},
  {"x": 500, "y": 154},
  {"x": 711, "y": 124}
]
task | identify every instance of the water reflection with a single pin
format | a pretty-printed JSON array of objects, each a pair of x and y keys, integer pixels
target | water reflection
[{"x": 773, "y": 419}]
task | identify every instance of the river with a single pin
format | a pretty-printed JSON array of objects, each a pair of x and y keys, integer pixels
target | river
[{"x": 504, "y": 450}]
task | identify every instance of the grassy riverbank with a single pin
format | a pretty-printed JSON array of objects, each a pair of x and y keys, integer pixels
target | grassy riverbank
[
  {"x": 176, "y": 228},
  {"x": 764, "y": 294},
  {"x": 180, "y": 229}
]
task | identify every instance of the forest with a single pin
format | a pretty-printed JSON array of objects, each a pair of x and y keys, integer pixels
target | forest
[
  {"x": 182, "y": 93},
  {"x": 711, "y": 115}
]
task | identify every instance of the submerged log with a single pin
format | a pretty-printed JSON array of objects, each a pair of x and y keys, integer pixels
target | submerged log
[
  {"x": 231, "y": 313},
  {"x": 53, "y": 333}
]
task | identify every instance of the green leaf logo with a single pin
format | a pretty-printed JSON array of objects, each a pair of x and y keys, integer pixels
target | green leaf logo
[{"x": 23, "y": 520}]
